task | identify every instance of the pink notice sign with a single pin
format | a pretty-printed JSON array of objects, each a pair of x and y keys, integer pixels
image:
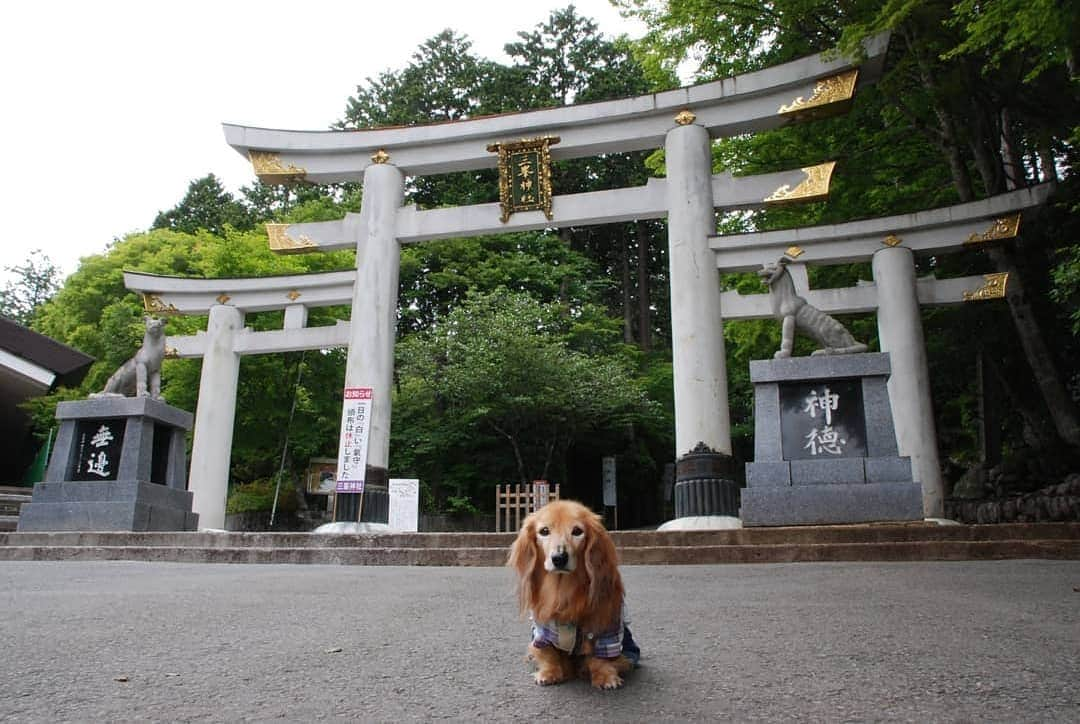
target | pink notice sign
[{"x": 352, "y": 452}]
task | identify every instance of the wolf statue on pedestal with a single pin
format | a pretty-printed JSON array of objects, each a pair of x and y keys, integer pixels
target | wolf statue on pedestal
[
  {"x": 140, "y": 376},
  {"x": 795, "y": 313}
]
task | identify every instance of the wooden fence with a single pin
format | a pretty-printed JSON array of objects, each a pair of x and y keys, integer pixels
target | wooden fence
[{"x": 514, "y": 502}]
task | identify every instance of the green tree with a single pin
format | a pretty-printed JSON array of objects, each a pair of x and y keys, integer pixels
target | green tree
[
  {"x": 294, "y": 203},
  {"x": 206, "y": 205},
  {"x": 34, "y": 282},
  {"x": 436, "y": 276},
  {"x": 999, "y": 115},
  {"x": 95, "y": 313},
  {"x": 567, "y": 60},
  {"x": 443, "y": 82},
  {"x": 976, "y": 99},
  {"x": 497, "y": 372},
  {"x": 564, "y": 59}
]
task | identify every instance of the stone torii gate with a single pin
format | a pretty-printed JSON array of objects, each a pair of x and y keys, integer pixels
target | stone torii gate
[
  {"x": 890, "y": 244},
  {"x": 682, "y": 121}
]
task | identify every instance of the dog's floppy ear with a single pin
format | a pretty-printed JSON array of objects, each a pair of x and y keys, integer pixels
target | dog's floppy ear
[
  {"x": 602, "y": 567},
  {"x": 525, "y": 557}
]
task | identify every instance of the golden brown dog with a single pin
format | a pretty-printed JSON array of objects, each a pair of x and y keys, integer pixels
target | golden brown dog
[{"x": 569, "y": 585}]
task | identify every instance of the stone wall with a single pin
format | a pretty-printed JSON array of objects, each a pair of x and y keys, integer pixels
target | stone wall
[{"x": 1054, "y": 503}]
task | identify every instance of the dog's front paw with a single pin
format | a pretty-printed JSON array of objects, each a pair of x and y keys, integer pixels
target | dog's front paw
[
  {"x": 604, "y": 674},
  {"x": 547, "y": 678},
  {"x": 606, "y": 680}
]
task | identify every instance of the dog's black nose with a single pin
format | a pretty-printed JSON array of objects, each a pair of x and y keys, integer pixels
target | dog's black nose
[{"x": 559, "y": 559}]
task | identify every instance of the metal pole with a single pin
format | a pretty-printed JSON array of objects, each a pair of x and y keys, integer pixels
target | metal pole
[{"x": 285, "y": 447}]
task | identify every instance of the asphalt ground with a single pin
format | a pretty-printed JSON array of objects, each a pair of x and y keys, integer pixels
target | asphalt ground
[{"x": 137, "y": 641}]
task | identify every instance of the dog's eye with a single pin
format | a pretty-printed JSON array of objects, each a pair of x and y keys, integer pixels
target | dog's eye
[
  {"x": 577, "y": 532},
  {"x": 544, "y": 531}
]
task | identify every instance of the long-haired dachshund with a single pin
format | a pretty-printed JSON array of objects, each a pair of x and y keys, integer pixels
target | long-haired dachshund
[{"x": 569, "y": 585}]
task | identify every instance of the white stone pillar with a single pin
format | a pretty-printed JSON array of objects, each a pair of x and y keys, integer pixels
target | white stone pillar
[
  {"x": 901, "y": 334},
  {"x": 211, "y": 448},
  {"x": 697, "y": 330},
  {"x": 374, "y": 303}
]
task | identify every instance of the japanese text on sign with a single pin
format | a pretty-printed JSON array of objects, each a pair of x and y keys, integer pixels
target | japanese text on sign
[
  {"x": 100, "y": 444},
  {"x": 826, "y": 440},
  {"x": 355, "y": 429},
  {"x": 98, "y": 462},
  {"x": 822, "y": 419}
]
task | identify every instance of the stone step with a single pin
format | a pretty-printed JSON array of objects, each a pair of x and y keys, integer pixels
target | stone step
[
  {"x": 794, "y": 535},
  {"x": 16, "y": 498},
  {"x": 890, "y": 542},
  {"x": 12, "y": 499},
  {"x": 941, "y": 550},
  {"x": 11, "y": 503}
]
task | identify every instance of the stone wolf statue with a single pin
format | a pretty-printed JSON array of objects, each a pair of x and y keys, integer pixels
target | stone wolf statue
[
  {"x": 140, "y": 376},
  {"x": 795, "y": 313}
]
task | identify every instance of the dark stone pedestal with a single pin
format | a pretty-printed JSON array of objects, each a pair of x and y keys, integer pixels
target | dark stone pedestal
[
  {"x": 825, "y": 446},
  {"x": 119, "y": 463},
  {"x": 705, "y": 484},
  {"x": 116, "y": 505}
]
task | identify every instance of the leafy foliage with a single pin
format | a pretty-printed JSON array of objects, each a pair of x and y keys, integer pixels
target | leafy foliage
[
  {"x": 1066, "y": 276},
  {"x": 976, "y": 99},
  {"x": 35, "y": 282},
  {"x": 206, "y": 205},
  {"x": 258, "y": 495},
  {"x": 496, "y": 382},
  {"x": 95, "y": 313}
]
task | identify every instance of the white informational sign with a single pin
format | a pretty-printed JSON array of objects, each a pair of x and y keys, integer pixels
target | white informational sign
[
  {"x": 404, "y": 505},
  {"x": 352, "y": 452},
  {"x": 611, "y": 498},
  {"x": 541, "y": 493}
]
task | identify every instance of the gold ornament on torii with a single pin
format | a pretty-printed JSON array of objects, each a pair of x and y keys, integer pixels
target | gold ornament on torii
[
  {"x": 814, "y": 186},
  {"x": 827, "y": 91},
  {"x": 268, "y": 168}
]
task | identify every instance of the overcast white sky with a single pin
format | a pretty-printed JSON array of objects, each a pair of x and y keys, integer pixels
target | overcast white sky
[{"x": 112, "y": 107}]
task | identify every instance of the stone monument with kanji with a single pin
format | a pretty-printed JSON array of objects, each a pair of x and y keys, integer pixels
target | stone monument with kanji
[{"x": 119, "y": 461}]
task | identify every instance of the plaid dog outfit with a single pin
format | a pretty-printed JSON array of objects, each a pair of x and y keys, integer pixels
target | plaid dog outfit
[{"x": 567, "y": 637}]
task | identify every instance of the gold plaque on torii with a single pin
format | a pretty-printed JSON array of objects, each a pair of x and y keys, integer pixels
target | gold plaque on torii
[
  {"x": 268, "y": 168},
  {"x": 812, "y": 188},
  {"x": 1006, "y": 227},
  {"x": 281, "y": 243},
  {"x": 153, "y": 304},
  {"x": 524, "y": 175},
  {"x": 827, "y": 91},
  {"x": 994, "y": 288}
]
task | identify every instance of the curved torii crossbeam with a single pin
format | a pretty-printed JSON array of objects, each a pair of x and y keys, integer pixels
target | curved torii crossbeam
[{"x": 808, "y": 87}]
